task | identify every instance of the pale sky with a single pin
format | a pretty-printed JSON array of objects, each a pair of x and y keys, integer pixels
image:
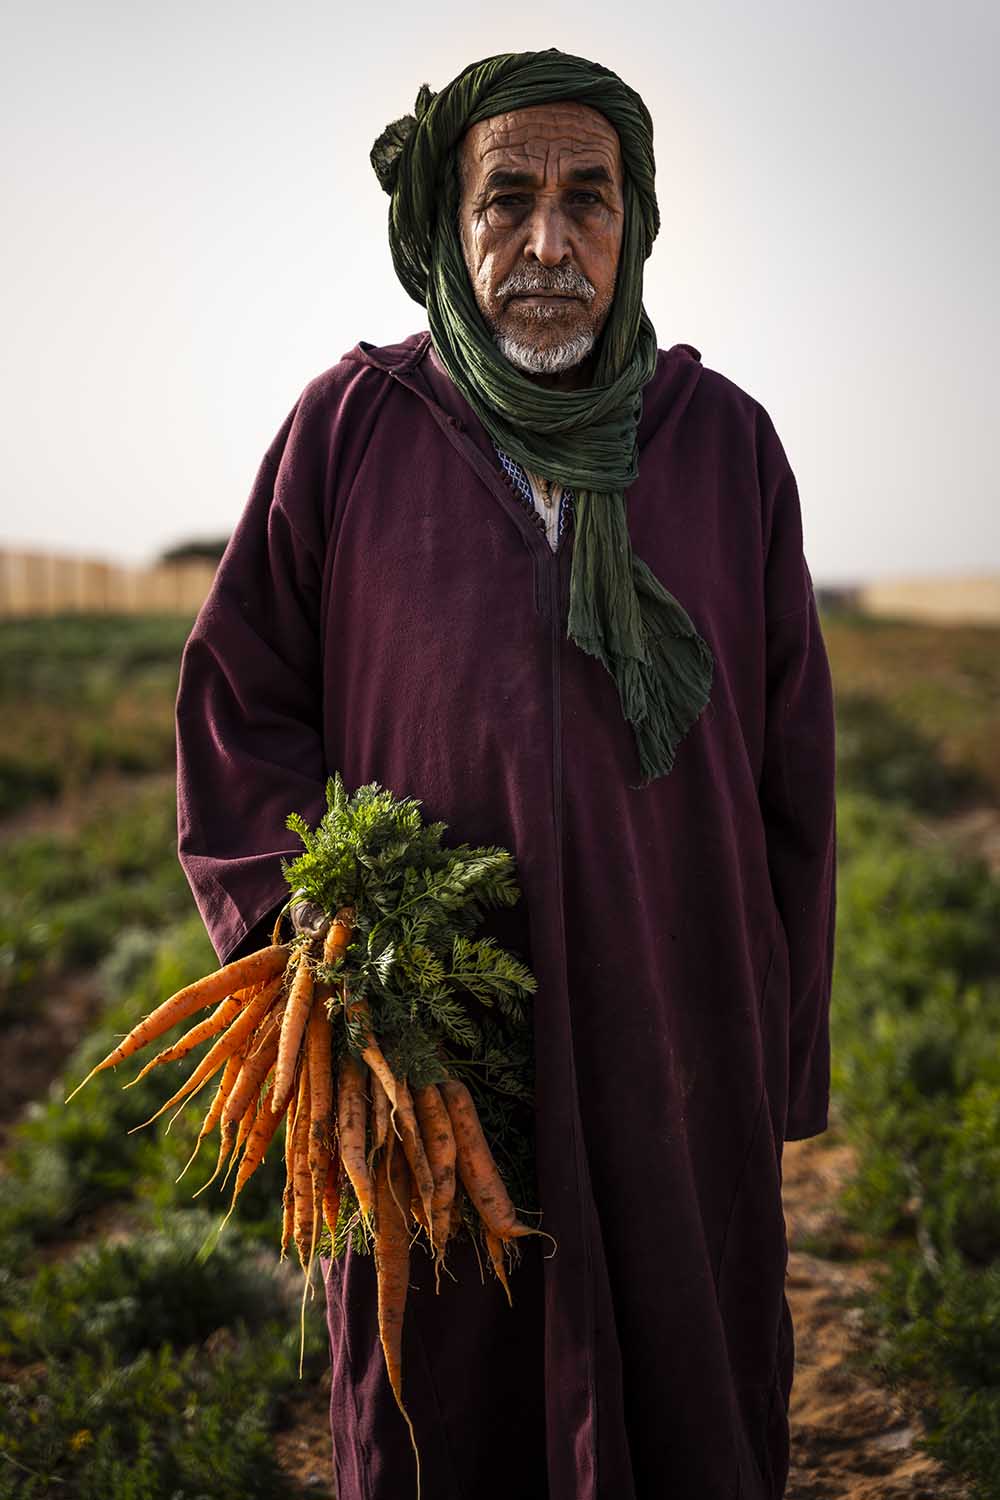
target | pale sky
[{"x": 193, "y": 232}]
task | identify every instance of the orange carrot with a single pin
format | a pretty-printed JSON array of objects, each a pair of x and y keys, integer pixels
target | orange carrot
[
  {"x": 339, "y": 934},
  {"x": 455, "y": 1217},
  {"x": 238, "y": 1034},
  {"x": 416, "y": 1207},
  {"x": 318, "y": 1045},
  {"x": 404, "y": 1120},
  {"x": 495, "y": 1246},
  {"x": 288, "y": 1196},
  {"x": 246, "y": 1125},
  {"x": 241, "y": 1107},
  {"x": 257, "y": 1064},
  {"x": 392, "y": 1266},
  {"x": 331, "y": 1193},
  {"x": 380, "y": 1114},
  {"x": 242, "y": 1136},
  {"x": 264, "y": 1129},
  {"x": 371, "y": 1051},
  {"x": 292, "y": 1027},
  {"x": 477, "y": 1169},
  {"x": 351, "y": 1111},
  {"x": 320, "y": 1119},
  {"x": 225, "y": 981},
  {"x": 301, "y": 1176},
  {"x": 216, "y": 1022},
  {"x": 229, "y": 1076},
  {"x": 439, "y": 1143}
]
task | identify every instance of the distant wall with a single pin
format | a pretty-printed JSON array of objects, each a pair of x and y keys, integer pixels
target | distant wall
[
  {"x": 952, "y": 601},
  {"x": 42, "y": 583}
]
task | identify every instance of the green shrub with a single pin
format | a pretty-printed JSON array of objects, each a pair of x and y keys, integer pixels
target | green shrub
[
  {"x": 83, "y": 695},
  {"x": 145, "y": 1292},
  {"x": 883, "y": 754},
  {"x": 65, "y": 900},
  {"x": 166, "y": 1426},
  {"x": 965, "y": 1211},
  {"x": 916, "y": 1014},
  {"x": 938, "y": 1327},
  {"x": 68, "y": 1159}
]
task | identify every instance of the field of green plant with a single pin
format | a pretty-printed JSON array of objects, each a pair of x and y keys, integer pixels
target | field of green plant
[
  {"x": 130, "y": 1366},
  {"x": 133, "y": 1366},
  {"x": 916, "y": 1016}
]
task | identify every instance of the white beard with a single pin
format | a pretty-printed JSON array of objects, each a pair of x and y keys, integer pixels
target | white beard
[{"x": 545, "y": 361}]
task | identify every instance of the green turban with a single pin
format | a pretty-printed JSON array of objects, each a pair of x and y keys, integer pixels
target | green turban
[{"x": 584, "y": 439}]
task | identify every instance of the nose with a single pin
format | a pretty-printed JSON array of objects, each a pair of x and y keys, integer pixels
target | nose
[{"x": 547, "y": 240}]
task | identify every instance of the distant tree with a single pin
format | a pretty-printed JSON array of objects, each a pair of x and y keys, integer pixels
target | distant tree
[
  {"x": 833, "y": 597},
  {"x": 210, "y": 549}
]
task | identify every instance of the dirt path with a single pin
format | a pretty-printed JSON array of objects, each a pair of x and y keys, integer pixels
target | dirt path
[
  {"x": 41, "y": 1037},
  {"x": 851, "y": 1439}
]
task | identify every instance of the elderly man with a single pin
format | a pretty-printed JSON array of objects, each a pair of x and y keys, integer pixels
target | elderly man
[{"x": 549, "y": 579}]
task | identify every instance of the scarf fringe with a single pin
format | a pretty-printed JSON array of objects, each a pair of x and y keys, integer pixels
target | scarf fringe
[
  {"x": 677, "y": 685},
  {"x": 664, "y": 689}
]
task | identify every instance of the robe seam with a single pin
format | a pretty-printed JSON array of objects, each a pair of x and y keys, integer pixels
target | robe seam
[{"x": 554, "y": 563}]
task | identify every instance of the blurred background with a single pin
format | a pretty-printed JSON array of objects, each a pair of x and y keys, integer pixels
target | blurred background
[{"x": 193, "y": 232}]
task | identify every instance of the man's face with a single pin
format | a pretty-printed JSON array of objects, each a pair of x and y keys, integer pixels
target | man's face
[{"x": 541, "y": 217}]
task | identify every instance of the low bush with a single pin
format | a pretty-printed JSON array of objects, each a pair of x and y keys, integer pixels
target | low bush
[
  {"x": 65, "y": 899},
  {"x": 66, "y": 1160},
  {"x": 917, "y": 1079},
  {"x": 882, "y": 753},
  {"x": 150, "y": 1369},
  {"x": 83, "y": 695}
]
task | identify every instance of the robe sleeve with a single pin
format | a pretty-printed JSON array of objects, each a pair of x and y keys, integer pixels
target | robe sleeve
[
  {"x": 249, "y": 704},
  {"x": 797, "y": 787}
]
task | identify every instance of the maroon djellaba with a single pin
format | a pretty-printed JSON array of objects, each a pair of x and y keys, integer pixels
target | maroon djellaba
[{"x": 390, "y": 608}]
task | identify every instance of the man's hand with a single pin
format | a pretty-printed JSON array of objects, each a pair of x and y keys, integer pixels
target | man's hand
[{"x": 307, "y": 917}]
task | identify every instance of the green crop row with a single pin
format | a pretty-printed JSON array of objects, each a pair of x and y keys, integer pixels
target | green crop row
[
  {"x": 147, "y": 1371},
  {"x": 68, "y": 1160},
  {"x": 84, "y": 695},
  {"x": 154, "y": 1367},
  {"x": 65, "y": 898},
  {"x": 916, "y": 1016}
]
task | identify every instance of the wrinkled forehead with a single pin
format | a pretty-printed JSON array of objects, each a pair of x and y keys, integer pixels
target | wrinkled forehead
[{"x": 565, "y": 135}]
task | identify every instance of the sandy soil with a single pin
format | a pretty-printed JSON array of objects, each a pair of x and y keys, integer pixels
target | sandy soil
[
  {"x": 51, "y": 1019},
  {"x": 851, "y": 1439}
]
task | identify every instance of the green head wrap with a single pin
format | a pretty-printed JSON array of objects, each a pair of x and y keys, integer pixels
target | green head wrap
[{"x": 584, "y": 439}]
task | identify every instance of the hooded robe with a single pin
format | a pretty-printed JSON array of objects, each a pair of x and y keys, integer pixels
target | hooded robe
[{"x": 387, "y": 607}]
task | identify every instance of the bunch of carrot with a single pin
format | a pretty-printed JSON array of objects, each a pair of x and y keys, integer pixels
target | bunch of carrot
[{"x": 406, "y": 1153}]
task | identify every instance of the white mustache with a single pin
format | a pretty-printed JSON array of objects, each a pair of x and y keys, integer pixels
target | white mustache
[{"x": 525, "y": 283}]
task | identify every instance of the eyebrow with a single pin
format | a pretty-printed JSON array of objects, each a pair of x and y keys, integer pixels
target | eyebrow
[{"x": 507, "y": 177}]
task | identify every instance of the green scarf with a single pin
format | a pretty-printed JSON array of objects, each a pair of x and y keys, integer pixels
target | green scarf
[{"x": 584, "y": 439}]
